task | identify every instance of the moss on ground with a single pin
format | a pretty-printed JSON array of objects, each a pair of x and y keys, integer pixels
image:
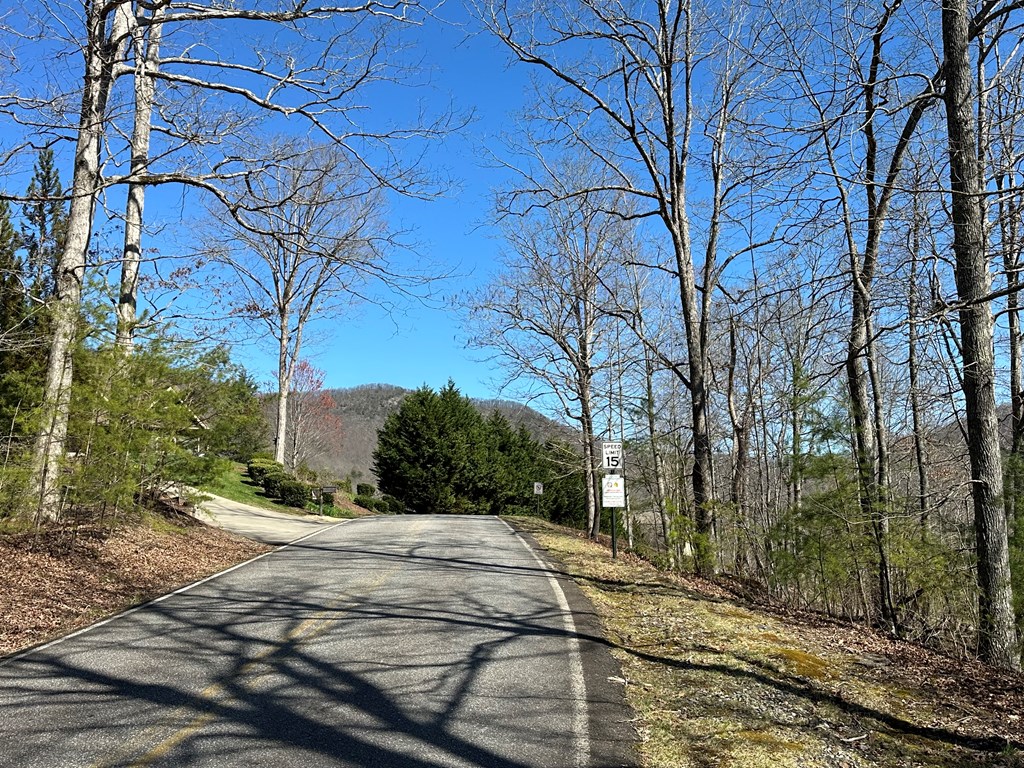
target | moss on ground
[{"x": 717, "y": 682}]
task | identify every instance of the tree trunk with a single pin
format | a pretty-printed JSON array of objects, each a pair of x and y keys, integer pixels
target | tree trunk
[
  {"x": 997, "y": 634},
  {"x": 656, "y": 462},
  {"x": 147, "y": 48},
  {"x": 920, "y": 451},
  {"x": 102, "y": 46},
  {"x": 284, "y": 380},
  {"x": 589, "y": 462}
]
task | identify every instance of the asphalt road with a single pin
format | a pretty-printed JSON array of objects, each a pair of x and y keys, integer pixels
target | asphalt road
[
  {"x": 264, "y": 525},
  {"x": 393, "y": 641}
]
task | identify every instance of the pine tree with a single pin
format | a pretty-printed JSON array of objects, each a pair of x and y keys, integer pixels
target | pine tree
[
  {"x": 12, "y": 295},
  {"x": 46, "y": 221}
]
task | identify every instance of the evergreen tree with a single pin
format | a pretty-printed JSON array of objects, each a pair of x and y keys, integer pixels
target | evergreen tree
[
  {"x": 12, "y": 295},
  {"x": 437, "y": 454},
  {"x": 46, "y": 221}
]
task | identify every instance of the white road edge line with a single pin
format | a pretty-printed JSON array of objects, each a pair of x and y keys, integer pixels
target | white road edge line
[
  {"x": 181, "y": 590},
  {"x": 577, "y": 682}
]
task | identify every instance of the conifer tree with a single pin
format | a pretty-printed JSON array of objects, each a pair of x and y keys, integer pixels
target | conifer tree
[
  {"x": 12, "y": 296},
  {"x": 43, "y": 233}
]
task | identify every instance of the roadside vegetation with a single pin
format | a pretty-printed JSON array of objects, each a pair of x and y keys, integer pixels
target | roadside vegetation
[
  {"x": 437, "y": 454},
  {"x": 716, "y": 679},
  {"x": 237, "y": 483}
]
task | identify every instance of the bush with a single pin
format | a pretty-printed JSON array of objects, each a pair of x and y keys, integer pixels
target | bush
[
  {"x": 393, "y": 505},
  {"x": 365, "y": 489},
  {"x": 259, "y": 468},
  {"x": 272, "y": 482},
  {"x": 294, "y": 493},
  {"x": 366, "y": 502},
  {"x": 344, "y": 485},
  {"x": 327, "y": 498}
]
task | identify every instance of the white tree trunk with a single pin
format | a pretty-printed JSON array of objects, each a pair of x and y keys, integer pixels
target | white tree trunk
[
  {"x": 147, "y": 50},
  {"x": 101, "y": 52}
]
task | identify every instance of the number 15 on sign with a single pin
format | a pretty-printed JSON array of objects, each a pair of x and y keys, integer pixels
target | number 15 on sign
[{"x": 612, "y": 455}]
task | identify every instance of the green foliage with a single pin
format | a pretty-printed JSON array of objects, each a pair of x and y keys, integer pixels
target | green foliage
[
  {"x": 392, "y": 505},
  {"x": 272, "y": 481},
  {"x": 46, "y": 225},
  {"x": 344, "y": 485},
  {"x": 137, "y": 424},
  {"x": 365, "y": 489},
  {"x": 425, "y": 451},
  {"x": 259, "y": 468},
  {"x": 294, "y": 493},
  {"x": 13, "y": 307},
  {"x": 559, "y": 467},
  {"x": 130, "y": 430},
  {"x": 437, "y": 454},
  {"x": 367, "y": 502}
]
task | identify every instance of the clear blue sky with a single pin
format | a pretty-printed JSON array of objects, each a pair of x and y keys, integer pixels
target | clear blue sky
[
  {"x": 420, "y": 344},
  {"x": 426, "y": 344}
]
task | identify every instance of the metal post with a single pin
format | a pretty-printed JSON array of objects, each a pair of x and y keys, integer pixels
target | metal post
[{"x": 615, "y": 538}]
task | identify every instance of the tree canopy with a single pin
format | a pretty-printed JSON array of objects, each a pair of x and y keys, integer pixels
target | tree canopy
[{"x": 437, "y": 454}]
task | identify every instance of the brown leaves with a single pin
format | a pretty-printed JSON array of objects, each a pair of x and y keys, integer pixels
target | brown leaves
[{"x": 46, "y": 590}]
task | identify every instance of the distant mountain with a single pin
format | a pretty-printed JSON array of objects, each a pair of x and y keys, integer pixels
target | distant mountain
[{"x": 363, "y": 409}]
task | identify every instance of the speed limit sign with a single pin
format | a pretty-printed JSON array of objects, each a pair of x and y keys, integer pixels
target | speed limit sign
[{"x": 612, "y": 456}]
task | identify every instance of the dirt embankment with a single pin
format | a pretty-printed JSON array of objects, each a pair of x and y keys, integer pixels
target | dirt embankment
[{"x": 60, "y": 579}]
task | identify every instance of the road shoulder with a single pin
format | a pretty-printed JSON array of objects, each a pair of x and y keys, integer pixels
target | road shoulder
[{"x": 610, "y": 718}]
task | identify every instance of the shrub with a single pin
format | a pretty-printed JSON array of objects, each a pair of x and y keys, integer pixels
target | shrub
[
  {"x": 394, "y": 506},
  {"x": 365, "y": 489},
  {"x": 344, "y": 485},
  {"x": 366, "y": 502},
  {"x": 294, "y": 493},
  {"x": 272, "y": 482},
  {"x": 259, "y": 468},
  {"x": 327, "y": 498}
]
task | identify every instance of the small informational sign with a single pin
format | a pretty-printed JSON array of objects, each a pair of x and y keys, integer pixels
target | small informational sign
[
  {"x": 612, "y": 456},
  {"x": 538, "y": 489},
  {"x": 613, "y": 491},
  {"x": 330, "y": 489}
]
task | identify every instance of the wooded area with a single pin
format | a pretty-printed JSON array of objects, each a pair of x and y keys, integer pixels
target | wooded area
[
  {"x": 205, "y": 98},
  {"x": 776, "y": 248}
]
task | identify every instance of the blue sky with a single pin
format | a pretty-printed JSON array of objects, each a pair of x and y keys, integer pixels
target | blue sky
[
  {"x": 420, "y": 343},
  {"x": 425, "y": 344}
]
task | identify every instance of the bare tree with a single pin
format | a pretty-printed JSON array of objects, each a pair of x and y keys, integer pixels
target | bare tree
[
  {"x": 544, "y": 313},
  {"x": 997, "y": 632},
  {"x": 624, "y": 90},
  {"x": 306, "y": 235},
  {"x": 314, "y": 428},
  {"x": 312, "y": 82}
]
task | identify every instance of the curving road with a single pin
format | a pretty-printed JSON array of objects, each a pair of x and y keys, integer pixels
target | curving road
[{"x": 392, "y": 641}]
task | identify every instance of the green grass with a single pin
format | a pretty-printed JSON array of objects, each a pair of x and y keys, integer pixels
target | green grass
[{"x": 235, "y": 484}]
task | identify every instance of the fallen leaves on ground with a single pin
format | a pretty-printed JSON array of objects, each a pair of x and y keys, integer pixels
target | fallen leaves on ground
[
  {"x": 61, "y": 578},
  {"x": 716, "y": 680}
]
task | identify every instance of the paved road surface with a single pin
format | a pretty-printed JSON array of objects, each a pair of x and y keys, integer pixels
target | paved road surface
[
  {"x": 394, "y": 641},
  {"x": 264, "y": 525}
]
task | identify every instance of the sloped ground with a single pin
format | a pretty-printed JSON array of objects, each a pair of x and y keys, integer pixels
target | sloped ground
[
  {"x": 65, "y": 578},
  {"x": 716, "y": 681}
]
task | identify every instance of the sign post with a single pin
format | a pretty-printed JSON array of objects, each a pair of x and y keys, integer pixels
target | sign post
[
  {"x": 538, "y": 491},
  {"x": 326, "y": 489},
  {"x": 613, "y": 495},
  {"x": 612, "y": 453}
]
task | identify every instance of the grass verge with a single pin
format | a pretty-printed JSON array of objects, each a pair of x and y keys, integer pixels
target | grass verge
[
  {"x": 716, "y": 681},
  {"x": 234, "y": 484}
]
